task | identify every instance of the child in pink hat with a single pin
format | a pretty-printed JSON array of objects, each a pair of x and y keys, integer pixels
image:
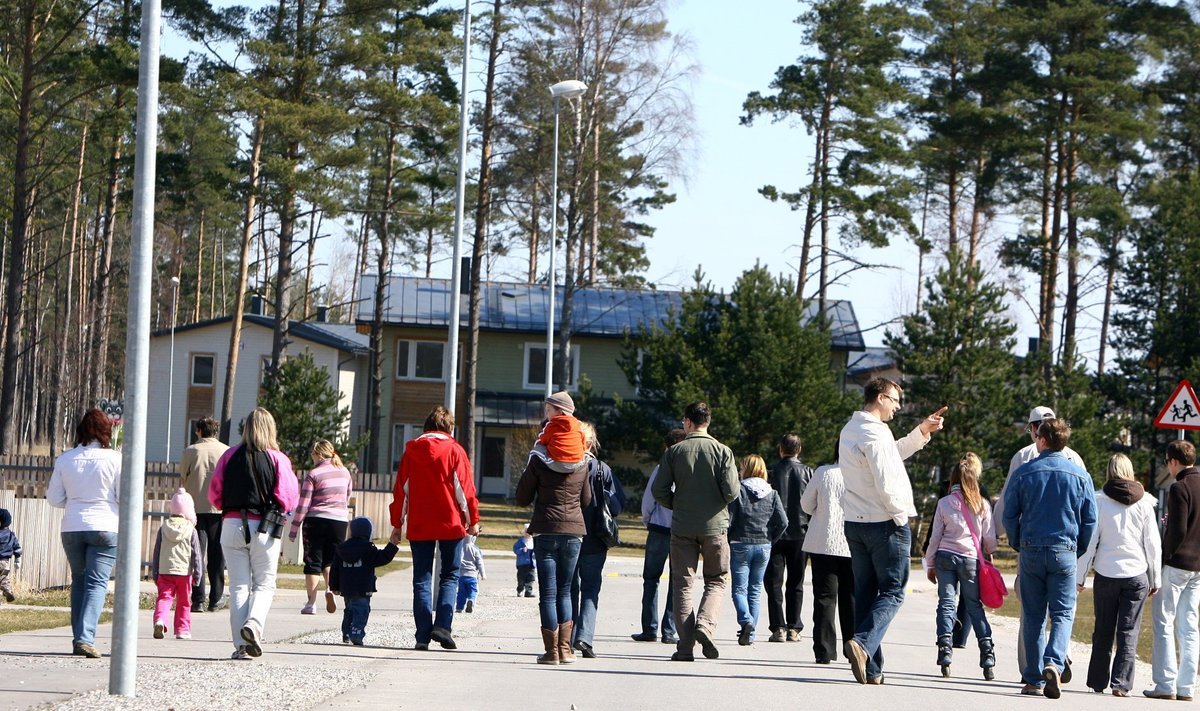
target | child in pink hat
[{"x": 176, "y": 566}]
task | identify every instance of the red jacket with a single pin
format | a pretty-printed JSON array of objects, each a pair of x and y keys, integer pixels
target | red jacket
[{"x": 435, "y": 490}]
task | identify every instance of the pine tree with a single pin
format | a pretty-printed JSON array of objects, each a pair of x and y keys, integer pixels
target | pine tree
[{"x": 307, "y": 408}]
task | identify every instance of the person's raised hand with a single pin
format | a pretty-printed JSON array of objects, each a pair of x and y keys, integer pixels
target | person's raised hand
[{"x": 934, "y": 422}]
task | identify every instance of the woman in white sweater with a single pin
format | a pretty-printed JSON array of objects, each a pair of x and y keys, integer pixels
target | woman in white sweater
[
  {"x": 829, "y": 554},
  {"x": 1126, "y": 555}
]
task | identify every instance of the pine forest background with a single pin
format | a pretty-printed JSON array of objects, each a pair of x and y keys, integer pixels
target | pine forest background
[{"x": 1053, "y": 143}]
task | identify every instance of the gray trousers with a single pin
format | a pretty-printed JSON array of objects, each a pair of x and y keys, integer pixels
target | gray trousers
[
  {"x": 1119, "y": 604},
  {"x": 6, "y": 576}
]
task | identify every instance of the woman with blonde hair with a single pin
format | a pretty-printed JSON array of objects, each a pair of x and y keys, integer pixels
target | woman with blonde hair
[
  {"x": 756, "y": 520},
  {"x": 962, "y": 526},
  {"x": 1126, "y": 552},
  {"x": 324, "y": 512},
  {"x": 255, "y": 487}
]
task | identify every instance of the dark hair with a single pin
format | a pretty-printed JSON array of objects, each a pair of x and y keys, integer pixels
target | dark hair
[
  {"x": 94, "y": 426},
  {"x": 675, "y": 436},
  {"x": 208, "y": 427},
  {"x": 697, "y": 413},
  {"x": 878, "y": 386},
  {"x": 1182, "y": 451},
  {"x": 440, "y": 420},
  {"x": 789, "y": 444},
  {"x": 1056, "y": 432}
]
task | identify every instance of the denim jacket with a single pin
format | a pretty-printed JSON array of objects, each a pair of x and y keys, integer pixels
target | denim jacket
[{"x": 1050, "y": 502}]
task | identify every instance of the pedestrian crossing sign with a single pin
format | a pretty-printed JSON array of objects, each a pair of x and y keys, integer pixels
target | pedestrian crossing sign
[{"x": 1182, "y": 411}]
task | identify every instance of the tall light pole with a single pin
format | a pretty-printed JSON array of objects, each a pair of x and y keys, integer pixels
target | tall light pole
[
  {"x": 459, "y": 202},
  {"x": 569, "y": 89},
  {"x": 171, "y": 364}
]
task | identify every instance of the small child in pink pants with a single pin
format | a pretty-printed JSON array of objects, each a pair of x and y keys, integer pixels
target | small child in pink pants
[{"x": 176, "y": 566}]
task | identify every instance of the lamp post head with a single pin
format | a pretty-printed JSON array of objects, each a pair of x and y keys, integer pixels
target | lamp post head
[
  {"x": 568, "y": 89},
  {"x": 175, "y": 281}
]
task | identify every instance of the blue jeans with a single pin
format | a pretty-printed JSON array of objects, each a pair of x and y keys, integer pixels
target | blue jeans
[
  {"x": 585, "y": 594},
  {"x": 1176, "y": 621},
  {"x": 91, "y": 555},
  {"x": 468, "y": 589},
  {"x": 956, "y": 571},
  {"x": 450, "y": 553},
  {"x": 747, "y": 566},
  {"x": 355, "y": 611},
  {"x": 556, "y": 556},
  {"x": 879, "y": 555},
  {"x": 658, "y": 552},
  {"x": 1047, "y": 585}
]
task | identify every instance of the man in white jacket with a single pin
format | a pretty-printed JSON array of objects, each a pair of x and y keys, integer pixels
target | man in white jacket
[{"x": 877, "y": 505}]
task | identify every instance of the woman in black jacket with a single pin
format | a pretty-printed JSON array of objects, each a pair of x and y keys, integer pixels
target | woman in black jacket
[
  {"x": 756, "y": 520},
  {"x": 589, "y": 571}
]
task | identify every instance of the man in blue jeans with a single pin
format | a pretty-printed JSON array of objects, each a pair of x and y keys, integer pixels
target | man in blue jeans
[
  {"x": 877, "y": 505},
  {"x": 657, "y": 519},
  {"x": 1050, "y": 517}
]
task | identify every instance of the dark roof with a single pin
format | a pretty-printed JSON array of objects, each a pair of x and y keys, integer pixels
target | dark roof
[
  {"x": 342, "y": 336},
  {"x": 873, "y": 359},
  {"x": 516, "y": 307}
]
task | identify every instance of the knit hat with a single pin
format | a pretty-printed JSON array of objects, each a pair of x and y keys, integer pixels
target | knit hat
[
  {"x": 182, "y": 505},
  {"x": 5, "y": 518},
  {"x": 361, "y": 528},
  {"x": 562, "y": 400}
]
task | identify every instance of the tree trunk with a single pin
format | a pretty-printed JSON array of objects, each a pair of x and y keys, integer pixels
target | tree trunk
[
  {"x": 382, "y": 281},
  {"x": 483, "y": 206},
  {"x": 102, "y": 285},
  {"x": 239, "y": 304}
]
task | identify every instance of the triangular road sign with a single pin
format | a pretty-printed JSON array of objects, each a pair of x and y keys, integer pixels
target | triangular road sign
[{"x": 1182, "y": 411}]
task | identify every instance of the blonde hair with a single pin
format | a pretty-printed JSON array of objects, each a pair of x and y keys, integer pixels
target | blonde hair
[
  {"x": 1119, "y": 467},
  {"x": 323, "y": 449},
  {"x": 590, "y": 443},
  {"x": 259, "y": 433},
  {"x": 753, "y": 467},
  {"x": 966, "y": 475}
]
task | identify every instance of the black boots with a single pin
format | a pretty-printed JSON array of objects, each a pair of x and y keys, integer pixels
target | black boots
[
  {"x": 987, "y": 658},
  {"x": 945, "y": 653}
]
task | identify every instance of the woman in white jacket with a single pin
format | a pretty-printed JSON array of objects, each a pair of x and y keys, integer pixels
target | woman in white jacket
[
  {"x": 832, "y": 576},
  {"x": 1126, "y": 555}
]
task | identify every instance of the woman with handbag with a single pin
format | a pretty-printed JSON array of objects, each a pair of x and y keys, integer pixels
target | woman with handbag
[
  {"x": 963, "y": 533},
  {"x": 600, "y": 520},
  {"x": 1127, "y": 555},
  {"x": 255, "y": 487}
]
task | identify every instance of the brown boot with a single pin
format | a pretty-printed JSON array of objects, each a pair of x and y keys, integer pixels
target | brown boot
[
  {"x": 550, "y": 641},
  {"x": 566, "y": 655}
]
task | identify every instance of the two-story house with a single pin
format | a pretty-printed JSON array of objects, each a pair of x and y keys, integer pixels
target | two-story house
[{"x": 510, "y": 379}]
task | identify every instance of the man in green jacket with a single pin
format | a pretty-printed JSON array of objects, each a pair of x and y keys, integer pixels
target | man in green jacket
[{"x": 697, "y": 479}]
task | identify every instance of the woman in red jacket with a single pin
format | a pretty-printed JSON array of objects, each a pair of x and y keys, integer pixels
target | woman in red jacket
[{"x": 435, "y": 495}]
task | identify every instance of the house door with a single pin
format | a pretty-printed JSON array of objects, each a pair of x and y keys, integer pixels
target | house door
[{"x": 493, "y": 468}]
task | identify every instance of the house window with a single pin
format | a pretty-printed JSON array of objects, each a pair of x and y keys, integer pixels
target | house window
[
  {"x": 535, "y": 367},
  {"x": 401, "y": 435},
  {"x": 202, "y": 369},
  {"x": 423, "y": 360}
]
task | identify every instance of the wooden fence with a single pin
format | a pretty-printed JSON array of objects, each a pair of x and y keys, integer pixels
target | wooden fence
[{"x": 23, "y": 482}]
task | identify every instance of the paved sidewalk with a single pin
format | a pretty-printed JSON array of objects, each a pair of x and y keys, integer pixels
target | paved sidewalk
[{"x": 494, "y": 667}]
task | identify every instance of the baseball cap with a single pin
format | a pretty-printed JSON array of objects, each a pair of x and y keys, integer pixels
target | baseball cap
[{"x": 1040, "y": 413}]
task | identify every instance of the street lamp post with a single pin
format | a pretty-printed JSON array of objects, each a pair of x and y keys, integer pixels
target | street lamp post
[
  {"x": 569, "y": 89},
  {"x": 171, "y": 364}
]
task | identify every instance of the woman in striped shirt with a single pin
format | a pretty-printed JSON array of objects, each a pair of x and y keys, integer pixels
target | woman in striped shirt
[{"x": 324, "y": 512}]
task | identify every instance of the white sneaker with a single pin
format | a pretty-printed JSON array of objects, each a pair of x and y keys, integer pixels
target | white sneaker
[
  {"x": 160, "y": 630},
  {"x": 240, "y": 653},
  {"x": 250, "y": 636},
  {"x": 184, "y": 635}
]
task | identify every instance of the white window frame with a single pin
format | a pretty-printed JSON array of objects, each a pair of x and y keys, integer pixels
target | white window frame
[
  {"x": 402, "y": 433},
  {"x": 573, "y": 385},
  {"x": 192, "y": 370}
]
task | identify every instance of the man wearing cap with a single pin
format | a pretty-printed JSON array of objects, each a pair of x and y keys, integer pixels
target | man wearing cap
[
  {"x": 697, "y": 479},
  {"x": 877, "y": 504},
  {"x": 1050, "y": 515},
  {"x": 1026, "y": 454}
]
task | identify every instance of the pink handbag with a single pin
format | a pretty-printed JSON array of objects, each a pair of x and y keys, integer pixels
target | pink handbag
[{"x": 992, "y": 589}]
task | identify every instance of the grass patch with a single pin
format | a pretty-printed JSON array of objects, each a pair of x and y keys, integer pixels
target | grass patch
[
  {"x": 502, "y": 523},
  {"x": 26, "y": 620},
  {"x": 1085, "y": 622},
  {"x": 61, "y": 597}
]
